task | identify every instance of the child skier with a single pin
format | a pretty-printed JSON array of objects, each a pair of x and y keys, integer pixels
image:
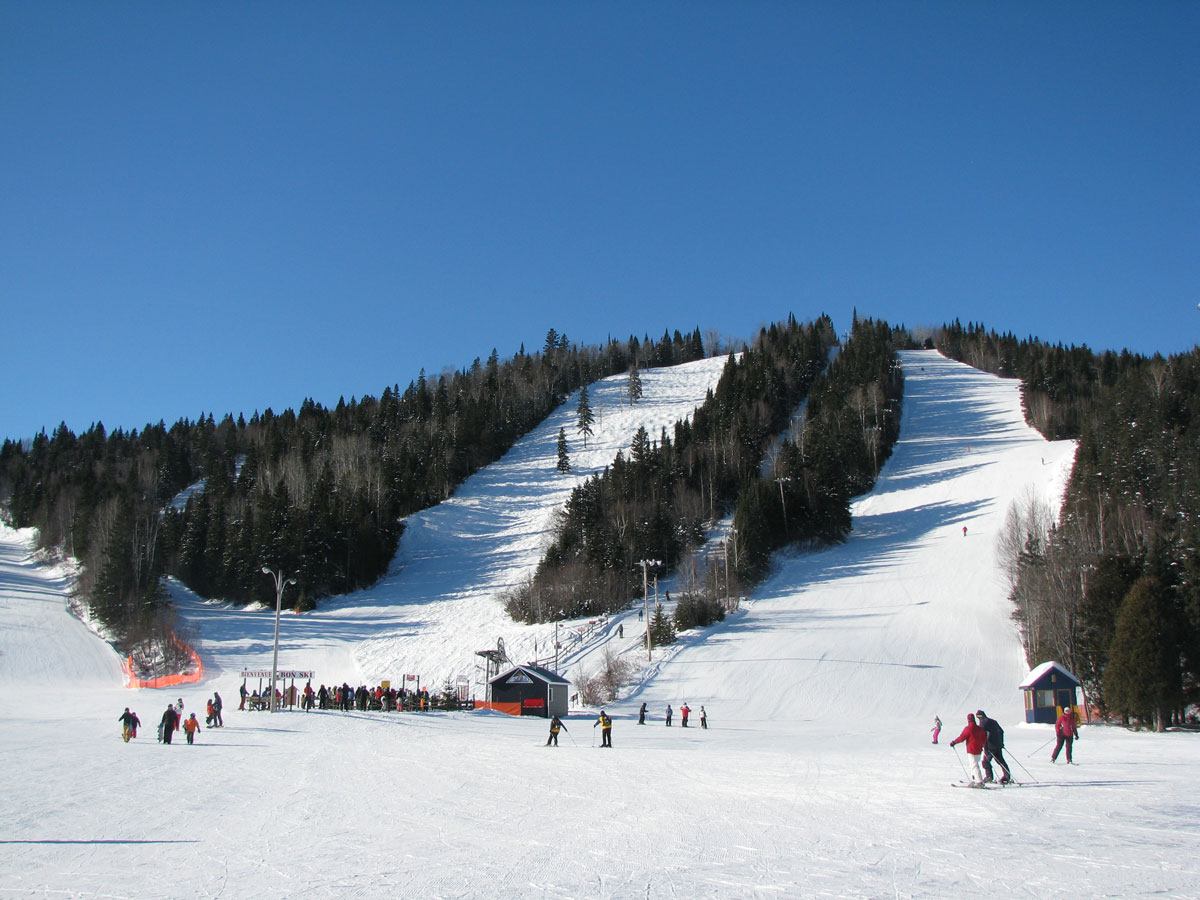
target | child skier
[{"x": 190, "y": 727}]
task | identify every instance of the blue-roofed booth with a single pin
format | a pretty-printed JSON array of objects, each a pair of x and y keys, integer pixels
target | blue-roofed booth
[{"x": 1049, "y": 690}]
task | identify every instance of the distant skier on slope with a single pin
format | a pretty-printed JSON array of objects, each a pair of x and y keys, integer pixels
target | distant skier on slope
[
  {"x": 168, "y": 724},
  {"x": 703, "y": 717},
  {"x": 190, "y": 727},
  {"x": 556, "y": 726},
  {"x": 684, "y": 712},
  {"x": 994, "y": 749},
  {"x": 605, "y": 723},
  {"x": 1067, "y": 732},
  {"x": 976, "y": 739},
  {"x": 668, "y": 715},
  {"x": 937, "y": 728},
  {"x": 129, "y": 723},
  {"x": 642, "y": 715}
]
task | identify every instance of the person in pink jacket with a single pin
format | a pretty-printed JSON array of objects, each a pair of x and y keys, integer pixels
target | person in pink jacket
[{"x": 976, "y": 739}]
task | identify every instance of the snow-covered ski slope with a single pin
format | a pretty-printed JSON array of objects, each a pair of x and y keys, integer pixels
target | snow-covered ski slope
[
  {"x": 441, "y": 600},
  {"x": 816, "y": 778}
]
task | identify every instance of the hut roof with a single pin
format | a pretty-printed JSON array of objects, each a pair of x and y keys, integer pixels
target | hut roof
[{"x": 1042, "y": 671}]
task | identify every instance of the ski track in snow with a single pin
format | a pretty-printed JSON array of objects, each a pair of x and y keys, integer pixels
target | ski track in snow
[{"x": 816, "y": 779}]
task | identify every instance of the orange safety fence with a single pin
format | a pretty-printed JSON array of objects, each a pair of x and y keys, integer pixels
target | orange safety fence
[
  {"x": 513, "y": 709},
  {"x": 166, "y": 680}
]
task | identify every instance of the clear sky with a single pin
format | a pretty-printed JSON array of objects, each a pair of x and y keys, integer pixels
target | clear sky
[{"x": 221, "y": 207}]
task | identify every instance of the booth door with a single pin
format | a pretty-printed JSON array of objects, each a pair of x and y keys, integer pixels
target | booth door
[{"x": 1066, "y": 699}]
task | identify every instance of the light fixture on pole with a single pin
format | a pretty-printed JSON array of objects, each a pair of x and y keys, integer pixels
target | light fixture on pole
[
  {"x": 645, "y": 564},
  {"x": 280, "y": 584}
]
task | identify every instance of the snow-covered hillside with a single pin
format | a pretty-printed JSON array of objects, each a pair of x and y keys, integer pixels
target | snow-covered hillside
[{"x": 816, "y": 778}]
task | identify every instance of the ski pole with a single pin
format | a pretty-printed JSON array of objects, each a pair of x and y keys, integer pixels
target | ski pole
[
  {"x": 961, "y": 765},
  {"x": 571, "y": 736},
  {"x": 1038, "y": 749},
  {"x": 1025, "y": 770}
]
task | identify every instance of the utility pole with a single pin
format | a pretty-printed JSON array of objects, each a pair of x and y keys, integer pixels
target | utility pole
[
  {"x": 280, "y": 584},
  {"x": 645, "y": 564}
]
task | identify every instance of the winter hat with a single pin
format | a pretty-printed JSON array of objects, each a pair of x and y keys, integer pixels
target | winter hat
[
  {"x": 970, "y": 717},
  {"x": 979, "y": 713}
]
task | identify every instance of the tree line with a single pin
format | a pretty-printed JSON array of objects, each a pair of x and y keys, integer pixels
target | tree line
[
  {"x": 1111, "y": 586},
  {"x": 316, "y": 491}
]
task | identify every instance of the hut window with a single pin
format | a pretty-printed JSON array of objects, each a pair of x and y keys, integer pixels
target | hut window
[{"x": 1045, "y": 698}]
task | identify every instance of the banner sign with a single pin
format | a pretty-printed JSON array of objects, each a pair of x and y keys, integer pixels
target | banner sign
[{"x": 266, "y": 673}]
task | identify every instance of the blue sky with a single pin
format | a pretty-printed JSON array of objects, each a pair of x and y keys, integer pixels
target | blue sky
[{"x": 222, "y": 207}]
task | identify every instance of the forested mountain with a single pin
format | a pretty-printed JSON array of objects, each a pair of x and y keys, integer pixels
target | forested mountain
[
  {"x": 318, "y": 491},
  {"x": 659, "y": 503},
  {"x": 1112, "y": 588}
]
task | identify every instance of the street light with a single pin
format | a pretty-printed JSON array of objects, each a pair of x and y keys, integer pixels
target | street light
[
  {"x": 645, "y": 564},
  {"x": 280, "y": 584}
]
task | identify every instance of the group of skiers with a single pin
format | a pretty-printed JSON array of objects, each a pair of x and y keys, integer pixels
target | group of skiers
[
  {"x": 684, "y": 712},
  {"x": 984, "y": 739},
  {"x": 173, "y": 720}
]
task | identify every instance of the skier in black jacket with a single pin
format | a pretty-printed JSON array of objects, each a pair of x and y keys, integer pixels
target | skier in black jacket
[
  {"x": 170, "y": 721},
  {"x": 995, "y": 748}
]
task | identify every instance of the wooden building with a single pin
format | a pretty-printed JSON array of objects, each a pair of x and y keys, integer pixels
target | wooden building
[
  {"x": 528, "y": 691},
  {"x": 1048, "y": 690}
]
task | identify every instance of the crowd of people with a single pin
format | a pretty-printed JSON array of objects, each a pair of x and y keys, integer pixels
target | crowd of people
[{"x": 339, "y": 697}]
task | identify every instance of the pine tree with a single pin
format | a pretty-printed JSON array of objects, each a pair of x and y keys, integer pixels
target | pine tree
[
  {"x": 634, "y": 387},
  {"x": 584, "y": 416},
  {"x": 1143, "y": 678},
  {"x": 564, "y": 459},
  {"x": 662, "y": 631}
]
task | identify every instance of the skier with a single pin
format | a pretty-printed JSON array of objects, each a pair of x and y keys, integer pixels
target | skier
[
  {"x": 135, "y": 725},
  {"x": 975, "y": 739},
  {"x": 605, "y": 723},
  {"x": 218, "y": 722},
  {"x": 208, "y": 714},
  {"x": 244, "y": 694},
  {"x": 556, "y": 726},
  {"x": 642, "y": 715},
  {"x": 128, "y": 726},
  {"x": 703, "y": 717},
  {"x": 170, "y": 721},
  {"x": 1067, "y": 732},
  {"x": 937, "y": 728},
  {"x": 191, "y": 726},
  {"x": 994, "y": 749},
  {"x": 668, "y": 715},
  {"x": 685, "y": 711}
]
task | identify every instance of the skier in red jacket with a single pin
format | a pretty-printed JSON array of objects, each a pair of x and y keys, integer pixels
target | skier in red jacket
[{"x": 976, "y": 740}]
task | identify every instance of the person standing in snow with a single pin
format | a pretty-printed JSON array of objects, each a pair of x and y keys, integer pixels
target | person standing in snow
[
  {"x": 127, "y": 720},
  {"x": 190, "y": 727},
  {"x": 994, "y": 749},
  {"x": 217, "y": 704},
  {"x": 976, "y": 739},
  {"x": 170, "y": 721},
  {"x": 605, "y": 723},
  {"x": 668, "y": 715},
  {"x": 556, "y": 726},
  {"x": 244, "y": 694},
  {"x": 937, "y": 728},
  {"x": 684, "y": 712},
  {"x": 208, "y": 714},
  {"x": 703, "y": 717},
  {"x": 1066, "y": 731},
  {"x": 642, "y": 715}
]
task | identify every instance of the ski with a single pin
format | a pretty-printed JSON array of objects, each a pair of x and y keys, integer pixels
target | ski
[{"x": 970, "y": 784}]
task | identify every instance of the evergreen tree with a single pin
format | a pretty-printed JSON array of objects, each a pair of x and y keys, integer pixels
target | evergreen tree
[
  {"x": 1143, "y": 679},
  {"x": 662, "y": 631},
  {"x": 564, "y": 460},
  {"x": 584, "y": 416},
  {"x": 634, "y": 386}
]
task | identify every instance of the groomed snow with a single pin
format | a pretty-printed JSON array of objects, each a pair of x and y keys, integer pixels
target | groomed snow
[{"x": 816, "y": 779}]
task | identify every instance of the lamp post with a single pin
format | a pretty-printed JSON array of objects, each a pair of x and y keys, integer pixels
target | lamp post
[
  {"x": 645, "y": 564},
  {"x": 782, "y": 499},
  {"x": 280, "y": 584}
]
